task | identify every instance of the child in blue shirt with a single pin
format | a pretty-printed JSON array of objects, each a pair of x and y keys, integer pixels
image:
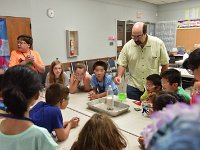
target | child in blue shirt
[
  {"x": 48, "y": 114},
  {"x": 100, "y": 81}
]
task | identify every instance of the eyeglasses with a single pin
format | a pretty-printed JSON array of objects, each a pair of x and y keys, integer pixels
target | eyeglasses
[
  {"x": 66, "y": 98},
  {"x": 21, "y": 42},
  {"x": 150, "y": 86},
  {"x": 136, "y": 36}
]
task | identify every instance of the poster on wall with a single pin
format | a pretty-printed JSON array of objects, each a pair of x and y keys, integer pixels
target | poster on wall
[
  {"x": 189, "y": 23},
  {"x": 4, "y": 46}
]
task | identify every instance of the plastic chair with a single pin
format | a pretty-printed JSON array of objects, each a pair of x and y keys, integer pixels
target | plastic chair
[
  {"x": 172, "y": 61},
  {"x": 112, "y": 66},
  {"x": 89, "y": 66}
]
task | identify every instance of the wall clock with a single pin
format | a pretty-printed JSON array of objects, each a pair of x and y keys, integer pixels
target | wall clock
[{"x": 50, "y": 13}]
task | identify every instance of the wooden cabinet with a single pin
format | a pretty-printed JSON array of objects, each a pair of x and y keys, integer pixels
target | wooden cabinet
[{"x": 15, "y": 27}]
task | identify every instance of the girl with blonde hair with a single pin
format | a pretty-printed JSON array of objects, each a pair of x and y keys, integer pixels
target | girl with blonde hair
[{"x": 99, "y": 133}]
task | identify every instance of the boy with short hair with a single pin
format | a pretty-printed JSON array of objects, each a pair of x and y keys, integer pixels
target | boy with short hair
[
  {"x": 48, "y": 114},
  {"x": 171, "y": 82},
  {"x": 100, "y": 81},
  {"x": 153, "y": 86}
]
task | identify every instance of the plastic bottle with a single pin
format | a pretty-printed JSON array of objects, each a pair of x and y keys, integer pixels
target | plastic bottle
[{"x": 110, "y": 101}]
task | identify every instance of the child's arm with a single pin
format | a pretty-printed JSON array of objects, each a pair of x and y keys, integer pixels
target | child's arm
[
  {"x": 92, "y": 93},
  {"x": 63, "y": 133},
  {"x": 141, "y": 142},
  {"x": 73, "y": 84},
  {"x": 95, "y": 96},
  {"x": 86, "y": 81}
]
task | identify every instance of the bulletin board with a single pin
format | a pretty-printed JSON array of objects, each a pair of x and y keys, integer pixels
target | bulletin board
[{"x": 189, "y": 38}]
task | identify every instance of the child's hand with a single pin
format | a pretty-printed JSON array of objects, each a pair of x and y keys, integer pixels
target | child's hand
[
  {"x": 141, "y": 142},
  {"x": 92, "y": 95},
  {"x": 74, "y": 122},
  {"x": 79, "y": 77},
  {"x": 151, "y": 96}
]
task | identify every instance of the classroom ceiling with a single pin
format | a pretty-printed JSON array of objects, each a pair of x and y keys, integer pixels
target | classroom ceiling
[{"x": 160, "y": 2}]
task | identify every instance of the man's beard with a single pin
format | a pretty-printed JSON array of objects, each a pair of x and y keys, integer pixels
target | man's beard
[{"x": 138, "y": 43}]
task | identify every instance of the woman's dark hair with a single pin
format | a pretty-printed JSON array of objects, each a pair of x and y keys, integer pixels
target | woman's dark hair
[
  {"x": 100, "y": 63},
  {"x": 99, "y": 133},
  {"x": 186, "y": 64},
  {"x": 55, "y": 93},
  {"x": 1, "y": 84},
  {"x": 28, "y": 39},
  {"x": 20, "y": 84},
  {"x": 194, "y": 59}
]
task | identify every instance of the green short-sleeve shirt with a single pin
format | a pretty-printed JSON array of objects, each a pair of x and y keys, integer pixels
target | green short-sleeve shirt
[{"x": 143, "y": 62}]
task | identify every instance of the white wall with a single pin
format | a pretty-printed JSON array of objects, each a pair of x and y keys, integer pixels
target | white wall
[
  {"x": 95, "y": 20},
  {"x": 176, "y": 11}
]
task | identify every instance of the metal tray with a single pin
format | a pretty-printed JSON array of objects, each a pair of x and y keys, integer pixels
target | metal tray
[{"x": 99, "y": 105}]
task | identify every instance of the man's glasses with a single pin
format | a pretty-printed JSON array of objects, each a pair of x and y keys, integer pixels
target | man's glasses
[
  {"x": 21, "y": 42},
  {"x": 136, "y": 36}
]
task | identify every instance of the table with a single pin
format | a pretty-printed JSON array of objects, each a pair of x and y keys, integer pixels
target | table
[
  {"x": 178, "y": 57},
  {"x": 130, "y": 124},
  {"x": 185, "y": 73}
]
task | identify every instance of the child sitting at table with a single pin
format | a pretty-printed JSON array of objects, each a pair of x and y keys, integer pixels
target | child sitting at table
[
  {"x": 48, "y": 114},
  {"x": 21, "y": 87},
  {"x": 56, "y": 74},
  {"x": 159, "y": 102},
  {"x": 153, "y": 86},
  {"x": 171, "y": 82},
  {"x": 99, "y": 133},
  {"x": 80, "y": 79},
  {"x": 100, "y": 81}
]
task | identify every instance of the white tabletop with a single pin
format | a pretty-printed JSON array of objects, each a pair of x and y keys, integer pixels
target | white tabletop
[
  {"x": 185, "y": 73},
  {"x": 132, "y": 143},
  {"x": 130, "y": 124}
]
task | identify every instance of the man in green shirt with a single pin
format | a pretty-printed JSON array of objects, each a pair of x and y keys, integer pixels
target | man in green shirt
[{"x": 143, "y": 55}]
